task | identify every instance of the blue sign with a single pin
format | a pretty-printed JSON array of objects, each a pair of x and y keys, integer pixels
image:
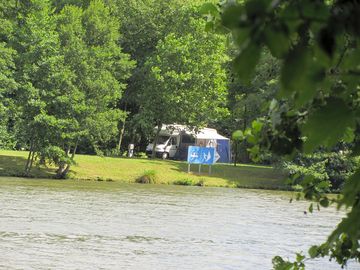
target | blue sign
[{"x": 201, "y": 155}]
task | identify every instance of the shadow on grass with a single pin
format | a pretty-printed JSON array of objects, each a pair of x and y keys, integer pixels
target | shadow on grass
[{"x": 14, "y": 166}]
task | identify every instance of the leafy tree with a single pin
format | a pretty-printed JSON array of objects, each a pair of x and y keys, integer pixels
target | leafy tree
[
  {"x": 318, "y": 43},
  {"x": 91, "y": 51},
  {"x": 71, "y": 72},
  {"x": 7, "y": 81},
  {"x": 331, "y": 168},
  {"x": 143, "y": 25},
  {"x": 247, "y": 102},
  {"x": 39, "y": 74},
  {"x": 185, "y": 79}
]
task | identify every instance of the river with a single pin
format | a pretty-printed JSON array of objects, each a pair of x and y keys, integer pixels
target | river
[{"x": 50, "y": 224}]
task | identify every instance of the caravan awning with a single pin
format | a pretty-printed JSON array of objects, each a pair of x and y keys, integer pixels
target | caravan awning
[{"x": 209, "y": 134}]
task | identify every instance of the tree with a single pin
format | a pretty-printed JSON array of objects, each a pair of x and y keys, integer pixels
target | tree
[
  {"x": 143, "y": 25},
  {"x": 71, "y": 72},
  {"x": 91, "y": 51},
  {"x": 318, "y": 43},
  {"x": 247, "y": 102},
  {"x": 7, "y": 81},
  {"x": 39, "y": 72},
  {"x": 185, "y": 79}
]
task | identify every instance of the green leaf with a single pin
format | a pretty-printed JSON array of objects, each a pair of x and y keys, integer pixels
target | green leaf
[
  {"x": 324, "y": 202},
  {"x": 237, "y": 135},
  {"x": 352, "y": 59},
  {"x": 299, "y": 257},
  {"x": 349, "y": 135},
  {"x": 277, "y": 41},
  {"x": 245, "y": 62},
  {"x": 251, "y": 139},
  {"x": 209, "y": 8},
  {"x": 312, "y": 77},
  {"x": 311, "y": 207},
  {"x": 315, "y": 9},
  {"x": 313, "y": 251},
  {"x": 256, "y": 126},
  {"x": 209, "y": 26},
  {"x": 256, "y": 8},
  {"x": 323, "y": 185},
  {"x": 301, "y": 74},
  {"x": 351, "y": 189},
  {"x": 327, "y": 125},
  {"x": 231, "y": 15},
  {"x": 293, "y": 70},
  {"x": 241, "y": 35}
]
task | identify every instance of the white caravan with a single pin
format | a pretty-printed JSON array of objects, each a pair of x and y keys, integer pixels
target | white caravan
[{"x": 174, "y": 140}]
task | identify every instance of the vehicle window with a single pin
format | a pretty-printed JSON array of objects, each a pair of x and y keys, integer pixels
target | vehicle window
[
  {"x": 173, "y": 141},
  {"x": 162, "y": 139},
  {"x": 187, "y": 139}
]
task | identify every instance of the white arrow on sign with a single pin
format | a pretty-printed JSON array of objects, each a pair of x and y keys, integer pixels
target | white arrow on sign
[{"x": 217, "y": 156}]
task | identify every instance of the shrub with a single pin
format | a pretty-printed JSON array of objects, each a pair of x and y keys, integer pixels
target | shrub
[
  {"x": 200, "y": 183},
  {"x": 149, "y": 177},
  {"x": 332, "y": 167},
  {"x": 140, "y": 155},
  {"x": 184, "y": 182}
]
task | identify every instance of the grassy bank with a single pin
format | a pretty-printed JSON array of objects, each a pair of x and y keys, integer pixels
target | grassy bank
[{"x": 166, "y": 172}]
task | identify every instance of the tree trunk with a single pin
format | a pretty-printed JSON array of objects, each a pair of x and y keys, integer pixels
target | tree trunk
[
  {"x": 65, "y": 170},
  {"x": 153, "y": 154},
  {"x": 28, "y": 159},
  {"x": 62, "y": 165},
  {"x": 31, "y": 161},
  {"x": 28, "y": 162},
  {"x": 122, "y": 130},
  {"x": 235, "y": 152},
  {"x": 245, "y": 120},
  {"x": 121, "y": 136}
]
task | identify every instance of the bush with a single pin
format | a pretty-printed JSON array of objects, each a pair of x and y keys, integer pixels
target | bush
[
  {"x": 184, "y": 182},
  {"x": 201, "y": 183},
  {"x": 149, "y": 177},
  {"x": 333, "y": 167},
  {"x": 112, "y": 152},
  {"x": 140, "y": 155}
]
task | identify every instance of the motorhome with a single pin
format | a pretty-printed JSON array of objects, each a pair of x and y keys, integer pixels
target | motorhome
[{"x": 173, "y": 142}]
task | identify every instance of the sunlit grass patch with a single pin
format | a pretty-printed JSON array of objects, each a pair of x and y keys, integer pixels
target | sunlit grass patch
[{"x": 130, "y": 170}]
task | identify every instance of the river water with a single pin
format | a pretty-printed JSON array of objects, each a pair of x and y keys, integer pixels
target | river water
[{"x": 49, "y": 224}]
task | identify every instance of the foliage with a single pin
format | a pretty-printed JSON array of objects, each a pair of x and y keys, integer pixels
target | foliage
[
  {"x": 144, "y": 24},
  {"x": 7, "y": 81},
  {"x": 280, "y": 264},
  {"x": 62, "y": 74},
  {"x": 332, "y": 168},
  {"x": 249, "y": 141},
  {"x": 318, "y": 44},
  {"x": 185, "y": 81},
  {"x": 184, "y": 182},
  {"x": 149, "y": 177},
  {"x": 246, "y": 101}
]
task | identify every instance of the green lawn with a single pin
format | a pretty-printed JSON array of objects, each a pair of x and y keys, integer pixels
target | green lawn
[{"x": 128, "y": 170}]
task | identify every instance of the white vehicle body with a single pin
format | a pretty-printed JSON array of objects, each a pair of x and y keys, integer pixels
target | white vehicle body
[{"x": 166, "y": 146}]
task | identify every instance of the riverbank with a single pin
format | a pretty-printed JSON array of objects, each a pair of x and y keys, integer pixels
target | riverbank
[{"x": 166, "y": 171}]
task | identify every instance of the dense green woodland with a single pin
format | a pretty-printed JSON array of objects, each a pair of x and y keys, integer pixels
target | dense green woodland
[
  {"x": 282, "y": 78},
  {"x": 93, "y": 76}
]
